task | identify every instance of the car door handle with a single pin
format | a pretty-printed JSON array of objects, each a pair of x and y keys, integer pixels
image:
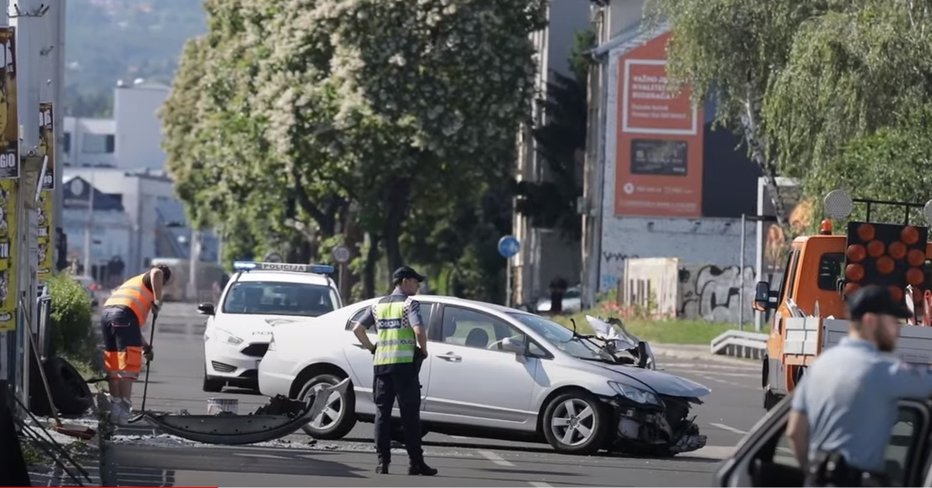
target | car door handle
[{"x": 450, "y": 357}]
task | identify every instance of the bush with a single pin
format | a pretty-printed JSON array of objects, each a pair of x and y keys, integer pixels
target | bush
[{"x": 72, "y": 332}]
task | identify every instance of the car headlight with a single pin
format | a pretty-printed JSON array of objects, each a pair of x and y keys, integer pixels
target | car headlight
[
  {"x": 229, "y": 338},
  {"x": 634, "y": 394}
]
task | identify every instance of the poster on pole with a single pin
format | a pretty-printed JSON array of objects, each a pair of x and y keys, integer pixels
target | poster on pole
[
  {"x": 9, "y": 122},
  {"x": 7, "y": 257},
  {"x": 47, "y": 144},
  {"x": 46, "y": 205}
]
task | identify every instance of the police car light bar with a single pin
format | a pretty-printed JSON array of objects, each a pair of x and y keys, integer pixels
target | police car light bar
[{"x": 299, "y": 268}]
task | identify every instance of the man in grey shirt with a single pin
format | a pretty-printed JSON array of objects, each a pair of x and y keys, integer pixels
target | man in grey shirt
[{"x": 845, "y": 406}]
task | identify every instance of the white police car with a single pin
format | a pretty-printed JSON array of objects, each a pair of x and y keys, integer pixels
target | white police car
[{"x": 258, "y": 297}]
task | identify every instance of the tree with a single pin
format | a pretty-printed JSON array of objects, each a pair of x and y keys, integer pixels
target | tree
[
  {"x": 730, "y": 51},
  {"x": 288, "y": 112}
]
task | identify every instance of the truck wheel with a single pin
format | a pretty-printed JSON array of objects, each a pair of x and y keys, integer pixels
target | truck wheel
[{"x": 338, "y": 417}]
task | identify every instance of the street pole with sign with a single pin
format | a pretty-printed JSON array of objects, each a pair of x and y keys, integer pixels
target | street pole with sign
[
  {"x": 508, "y": 246},
  {"x": 341, "y": 255}
]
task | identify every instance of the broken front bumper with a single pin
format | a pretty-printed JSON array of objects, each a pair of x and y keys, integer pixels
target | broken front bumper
[
  {"x": 655, "y": 429},
  {"x": 280, "y": 417}
]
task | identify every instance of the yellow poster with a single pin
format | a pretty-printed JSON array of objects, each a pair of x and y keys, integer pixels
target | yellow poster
[
  {"x": 7, "y": 259},
  {"x": 46, "y": 207},
  {"x": 47, "y": 144},
  {"x": 9, "y": 123}
]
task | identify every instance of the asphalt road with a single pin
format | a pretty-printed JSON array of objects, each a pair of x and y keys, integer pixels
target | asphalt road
[{"x": 175, "y": 384}]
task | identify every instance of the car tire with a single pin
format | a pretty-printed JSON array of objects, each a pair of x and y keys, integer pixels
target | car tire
[
  {"x": 212, "y": 386},
  {"x": 596, "y": 422},
  {"x": 336, "y": 428}
]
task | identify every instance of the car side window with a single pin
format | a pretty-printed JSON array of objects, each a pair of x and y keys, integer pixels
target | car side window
[
  {"x": 775, "y": 461},
  {"x": 469, "y": 328}
]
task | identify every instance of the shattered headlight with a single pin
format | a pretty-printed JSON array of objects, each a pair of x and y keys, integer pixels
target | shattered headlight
[
  {"x": 634, "y": 394},
  {"x": 228, "y": 337}
]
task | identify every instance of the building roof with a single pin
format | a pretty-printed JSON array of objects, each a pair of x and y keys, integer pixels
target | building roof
[{"x": 629, "y": 39}]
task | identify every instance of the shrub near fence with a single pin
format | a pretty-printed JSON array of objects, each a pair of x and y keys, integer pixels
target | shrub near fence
[{"x": 72, "y": 329}]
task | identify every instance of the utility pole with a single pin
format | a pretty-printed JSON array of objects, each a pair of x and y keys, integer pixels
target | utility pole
[
  {"x": 89, "y": 226},
  {"x": 192, "y": 264}
]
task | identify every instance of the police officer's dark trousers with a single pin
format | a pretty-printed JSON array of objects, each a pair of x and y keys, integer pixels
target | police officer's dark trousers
[{"x": 400, "y": 382}]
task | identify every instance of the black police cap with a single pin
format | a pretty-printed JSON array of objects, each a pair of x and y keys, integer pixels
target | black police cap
[
  {"x": 406, "y": 272},
  {"x": 875, "y": 299}
]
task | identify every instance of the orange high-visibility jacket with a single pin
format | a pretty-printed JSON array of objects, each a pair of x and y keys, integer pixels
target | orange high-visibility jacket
[{"x": 133, "y": 295}]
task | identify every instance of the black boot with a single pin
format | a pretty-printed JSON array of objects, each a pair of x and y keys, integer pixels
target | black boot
[
  {"x": 382, "y": 467},
  {"x": 421, "y": 468}
]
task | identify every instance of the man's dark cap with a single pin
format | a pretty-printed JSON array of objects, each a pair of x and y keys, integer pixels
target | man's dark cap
[
  {"x": 406, "y": 272},
  {"x": 875, "y": 299}
]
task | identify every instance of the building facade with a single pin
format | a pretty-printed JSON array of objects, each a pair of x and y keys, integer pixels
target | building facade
[
  {"x": 544, "y": 254},
  {"x": 659, "y": 182}
]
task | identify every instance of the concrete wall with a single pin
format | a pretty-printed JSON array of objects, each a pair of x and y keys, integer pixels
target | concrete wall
[
  {"x": 623, "y": 15},
  {"x": 138, "y": 129},
  {"x": 674, "y": 288}
]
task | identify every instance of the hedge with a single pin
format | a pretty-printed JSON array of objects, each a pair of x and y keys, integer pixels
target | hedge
[{"x": 72, "y": 330}]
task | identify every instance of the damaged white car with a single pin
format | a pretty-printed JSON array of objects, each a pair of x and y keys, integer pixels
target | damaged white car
[{"x": 498, "y": 372}]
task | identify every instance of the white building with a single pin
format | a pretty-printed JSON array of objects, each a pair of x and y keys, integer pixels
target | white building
[
  {"x": 89, "y": 142},
  {"x": 659, "y": 182},
  {"x": 108, "y": 229},
  {"x": 138, "y": 128},
  {"x": 544, "y": 255}
]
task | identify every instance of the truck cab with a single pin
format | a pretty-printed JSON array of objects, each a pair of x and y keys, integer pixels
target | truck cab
[{"x": 821, "y": 270}]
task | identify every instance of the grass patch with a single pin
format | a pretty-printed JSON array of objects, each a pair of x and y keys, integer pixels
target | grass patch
[{"x": 661, "y": 331}]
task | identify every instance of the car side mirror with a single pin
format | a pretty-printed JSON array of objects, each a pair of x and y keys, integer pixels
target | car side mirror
[
  {"x": 513, "y": 345},
  {"x": 206, "y": 309},
  {"x": 762, "y": 297}
]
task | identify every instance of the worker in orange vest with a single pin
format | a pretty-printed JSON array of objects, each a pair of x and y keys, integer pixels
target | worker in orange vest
[{"x": 122, "y": 318}]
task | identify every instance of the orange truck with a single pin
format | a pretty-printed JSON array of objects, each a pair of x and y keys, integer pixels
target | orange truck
[{"x": 809, "y": 305}]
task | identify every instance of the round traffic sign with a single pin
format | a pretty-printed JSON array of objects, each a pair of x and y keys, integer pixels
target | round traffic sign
[
  {"x": 341, "y": 254},
  {"x": 508, "y": 246}
]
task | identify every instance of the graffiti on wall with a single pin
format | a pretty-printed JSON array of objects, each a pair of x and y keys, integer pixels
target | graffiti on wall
[
  {"x": 613, "y": 266},
  {"x": 713, "y": 293}
]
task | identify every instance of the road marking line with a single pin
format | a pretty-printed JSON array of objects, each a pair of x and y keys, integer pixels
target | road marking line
[
  {"x": 540, "y": 484},
  {"x": 495, "y": 458},
  {"x": 256, "y": 454},
  {"x": 711, "y": 452},
  {"x": 728, "y": 428}
]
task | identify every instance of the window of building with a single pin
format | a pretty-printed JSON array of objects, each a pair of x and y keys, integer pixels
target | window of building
[{"x": 98, "y": 143}]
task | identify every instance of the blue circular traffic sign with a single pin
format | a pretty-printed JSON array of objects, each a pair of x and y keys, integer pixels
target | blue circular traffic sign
[{"x": 508, "y": 246}]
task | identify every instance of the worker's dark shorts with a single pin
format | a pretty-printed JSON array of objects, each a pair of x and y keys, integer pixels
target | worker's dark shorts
[{"x": 122, "y": 342}]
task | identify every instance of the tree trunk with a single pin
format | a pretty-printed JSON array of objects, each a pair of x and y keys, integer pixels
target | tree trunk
[
  {"x": 352, "y": 237},
  {"x": 397, "y": 209},
  {"x": 372, "y": 260},
  {"x": 756, "y": 143}
]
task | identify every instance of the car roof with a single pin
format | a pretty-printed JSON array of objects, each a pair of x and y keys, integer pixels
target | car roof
[{"x": 283, "y": 276}]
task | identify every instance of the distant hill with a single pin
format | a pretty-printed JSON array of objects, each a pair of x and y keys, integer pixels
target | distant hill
[{"x": 108, "y": 40}]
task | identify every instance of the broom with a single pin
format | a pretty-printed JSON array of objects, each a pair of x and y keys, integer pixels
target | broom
[{"x": 79, "y": 431}]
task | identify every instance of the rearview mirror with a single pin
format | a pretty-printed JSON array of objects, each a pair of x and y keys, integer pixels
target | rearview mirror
[
  {"x": 762, "y": 297},
  {"x": 513, "y": 345},
  {"x": 205, "y": 309}
]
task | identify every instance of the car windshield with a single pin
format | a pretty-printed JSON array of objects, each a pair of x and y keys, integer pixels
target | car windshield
[
  {"x": 279, "y": 298},
  {"x": 562, "y": 338}
]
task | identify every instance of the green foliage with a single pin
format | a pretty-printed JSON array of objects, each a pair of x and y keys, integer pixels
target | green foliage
[
  {"x": 288, "y": 113},
  {"x": 72, "y": 332}
]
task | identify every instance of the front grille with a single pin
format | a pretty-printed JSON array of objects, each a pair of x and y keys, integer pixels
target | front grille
[
  {"x": 255, "y": 350},
  {"x": 222, "y": 367}
]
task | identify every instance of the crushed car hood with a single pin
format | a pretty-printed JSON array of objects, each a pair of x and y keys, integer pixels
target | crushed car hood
[{"x": 663, "y": 383}]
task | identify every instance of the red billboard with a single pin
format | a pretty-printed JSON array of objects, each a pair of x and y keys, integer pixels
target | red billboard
[{"x": 658, "y": 170}]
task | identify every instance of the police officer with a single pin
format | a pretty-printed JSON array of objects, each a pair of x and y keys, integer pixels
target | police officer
[
  {"x": 121, "y": 320},
  {"x": 845, "y": 406},
  {"x": 401, "y": 347}
]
